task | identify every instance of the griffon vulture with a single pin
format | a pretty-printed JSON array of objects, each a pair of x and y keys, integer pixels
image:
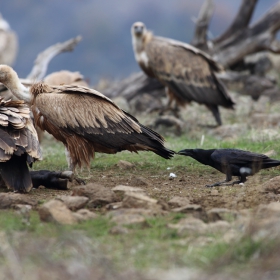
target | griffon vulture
[
  {"x": 187, "y": 73},
  {"x": 84, "y": 120},
  {"x": 19, "y": 145}
]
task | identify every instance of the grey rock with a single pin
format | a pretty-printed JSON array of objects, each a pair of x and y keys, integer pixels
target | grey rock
[
  {"x": 73, "y": 202},
  {"x": 120, "y": 190},
  {"x": 84, "y": 215},
  {"x": 8, "y": 200},
  {"x": 178, "y": 201},
  {"x": 138, "y": 200},
  {"x": 57, "y": 212},
  {"x": 98, "y": 195},
  {"x": 216, "y": 214}
]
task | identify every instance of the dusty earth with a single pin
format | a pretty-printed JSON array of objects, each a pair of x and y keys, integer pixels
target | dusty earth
[{"x": 190, "y": 184}]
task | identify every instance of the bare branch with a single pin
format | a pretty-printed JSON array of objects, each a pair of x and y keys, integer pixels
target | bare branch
[
  {"x": 40, "y": 67},
  {"x": 259, "y": 37},
  {"x": 202, "y": 23},
  {"x": 241, "y": 20}
]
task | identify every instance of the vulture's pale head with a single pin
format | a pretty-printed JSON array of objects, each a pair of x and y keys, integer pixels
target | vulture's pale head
[
  {"x": 138, "y": 29},
  {"x": 7, "y": 75}
]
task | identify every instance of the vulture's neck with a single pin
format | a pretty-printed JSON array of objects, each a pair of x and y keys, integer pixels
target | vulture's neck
[
  {"x": 18, "y": 89},
  {"x": 139, "y": 43}
]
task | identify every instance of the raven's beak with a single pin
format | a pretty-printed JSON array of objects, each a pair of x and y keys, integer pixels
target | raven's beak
[{"x": 184, "y": 152}]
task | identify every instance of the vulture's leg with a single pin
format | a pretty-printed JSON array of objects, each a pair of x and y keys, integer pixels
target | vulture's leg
[
  {"x": 216, "y": 113},
  {"x": 15, "y": 174},
  {"x": 223, "y": 183},
  {"x": 51, "y": 179},
  {"x": 71, "y": 167}
]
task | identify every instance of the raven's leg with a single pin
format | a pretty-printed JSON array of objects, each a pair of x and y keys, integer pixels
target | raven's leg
[
  {"x": 242, "y": 179},
  {"x": 216, "y": 113},
  {"x": 223, "y": 183}
]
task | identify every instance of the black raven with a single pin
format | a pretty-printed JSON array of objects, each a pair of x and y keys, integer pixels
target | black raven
[{"x": 231, "y": 162}]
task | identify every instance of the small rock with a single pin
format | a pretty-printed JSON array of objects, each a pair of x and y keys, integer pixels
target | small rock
[
  {"x": 97, "y": 194},
  {"x": 178, "y": 201},
  {"x": 194, "y": 209},
  {"x": 56, "y": 211},
  {"x": 216, "y": 214},
  {"x": 125, "y": 164},
  {"x": 119, "y": 230},
  {"x": 129, "y": 219},
  {"x": 138, "y": 200},
  {"x": 114, "y": 205},
  {"x": 74, "y": 203},
  {"x": 273, "y": 185},
  {"x": 137, "y": 211},
  {"x": 218, "y": 227},
  {"x": 139, "y": 181},
  {"x": 84, "y": 215},
  {"x": 189, "y": 225},
  {"x": 8, "y": 200},
  {"x": 120, "y": 190},
  {"x": 214, "y": 192}
]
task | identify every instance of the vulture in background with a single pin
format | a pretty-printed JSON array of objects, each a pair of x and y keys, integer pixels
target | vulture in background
[
  {"x": 8, "y": 43},
  {"x": 84, "y": 120},
  {"x": 66, "y": 77},
  {"x": 187, "y": 73},
  {"x": 19, "y": 145}
]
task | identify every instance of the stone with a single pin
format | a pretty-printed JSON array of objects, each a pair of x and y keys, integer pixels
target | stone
[
  {"x": 123, "y": 164},
  {"x": 84, "y": 215},
  {"x": 178, "y": 201},
  {"x": 129, "y": 219},
  {"x": 194, "y": 209},
  {"x": 214, "y": 193},
  {"x": 98, "y": 195},
  {"x": 189, "y": 225},
  {"x": 57, "y": 212},
  {"x": 114, "y": 205},
  {"x": 116, "y": 230},
  {"x": 120, "y": 190},
  {"x": 218, "y": 227},
  {"x": 139, "y": 181},
  {"x": 273, "y": 185},
  {"x": 137, "y": 211},
  {"x": 216, "y": 214},
  {"x": 138, "y": 200},
  {"x": 74, "y": 203},
  {"x": 9, "y": 200}
]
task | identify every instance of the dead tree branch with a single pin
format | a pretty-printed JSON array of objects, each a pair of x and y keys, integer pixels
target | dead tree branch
[
  {"x": 40, "y": 67},
  {"x": 202, "y": 24}
]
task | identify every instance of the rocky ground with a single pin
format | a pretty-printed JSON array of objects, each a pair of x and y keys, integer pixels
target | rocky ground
[{"x": 129, "y": 197}]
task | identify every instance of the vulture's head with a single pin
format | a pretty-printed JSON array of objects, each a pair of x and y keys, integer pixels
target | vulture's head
[
  {"x": 138, "y": 29},
  {"x": 7, "y": 75}
]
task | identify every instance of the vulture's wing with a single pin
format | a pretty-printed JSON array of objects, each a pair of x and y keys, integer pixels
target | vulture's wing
[
  {"x": 75, "y": 110},
  {"x": 188, "y": 72}
]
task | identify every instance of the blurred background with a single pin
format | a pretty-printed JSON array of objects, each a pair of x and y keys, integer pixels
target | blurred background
[{"x": 105, "y": 51}]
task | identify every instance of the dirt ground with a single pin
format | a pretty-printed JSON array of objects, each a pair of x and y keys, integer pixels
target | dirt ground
[{"x": 186, "y": 184}]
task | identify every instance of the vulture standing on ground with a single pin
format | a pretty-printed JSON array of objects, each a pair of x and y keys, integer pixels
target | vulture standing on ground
[
  {"x": 187, "y": 73},
  {"x": 84, "y": 120},
  {"x": 19, "y": 145}
]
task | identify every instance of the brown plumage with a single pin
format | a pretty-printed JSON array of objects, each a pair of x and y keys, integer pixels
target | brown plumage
[
  {"x": 19, "y": 146},
  {"x": 188, "y": 73},
  {"x": 86, "y": 121},
  {"x": 65, "y": 77}
]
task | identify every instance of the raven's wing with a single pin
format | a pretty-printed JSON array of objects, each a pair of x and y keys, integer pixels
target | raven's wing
[{"x": 237, "y": 157}]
